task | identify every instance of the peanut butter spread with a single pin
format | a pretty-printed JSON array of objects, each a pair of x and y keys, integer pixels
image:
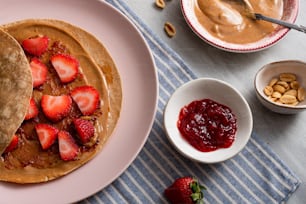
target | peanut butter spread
[
  {"x": 29, "y": 163},
  {"x": 229, "y": 20}
]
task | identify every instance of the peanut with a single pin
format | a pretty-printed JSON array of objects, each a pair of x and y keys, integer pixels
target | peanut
[
  {"x": 287, "y": 77},
  {"x": 301, "y": 94},
  {"x": 160, "y": 4},
  {"x": 273, "y": 99},
  {"x": 285, "y": 89},
  {"x": 170, "y": 29},
  {"x": 279, "y": 88},
  {"x": 294, "y": 85},
  {"x": 273, "y": 81},
  {"x": 291, "y": 92},
  {"x": 268, "y": 90},
  {"x": 288, "y": 99},
  {"x": 276, "y": 94},
  {"x": 283, "y": 84}
]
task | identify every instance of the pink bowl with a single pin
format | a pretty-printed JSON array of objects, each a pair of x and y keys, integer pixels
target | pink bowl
[{"x": 290, "y": 13}]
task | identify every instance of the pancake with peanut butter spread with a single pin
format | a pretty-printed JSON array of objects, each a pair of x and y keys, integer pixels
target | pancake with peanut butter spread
[
  {"x": 15, "y": 86},
  {"x": 30, "y": 162}
]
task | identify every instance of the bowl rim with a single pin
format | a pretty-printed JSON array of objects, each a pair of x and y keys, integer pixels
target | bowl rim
[
  {"x": 246, "y": 136},
  {"x": 262, "y": 44},
  {"x": 264, "y": 97}
]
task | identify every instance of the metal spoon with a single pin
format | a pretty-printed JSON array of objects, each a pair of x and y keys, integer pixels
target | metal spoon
[{"x": 257, "y": 16}]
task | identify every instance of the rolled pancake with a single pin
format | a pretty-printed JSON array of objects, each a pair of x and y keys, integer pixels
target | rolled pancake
[
  {"x": 98, "y": 69},
  {"x": 15, "y": 87}
]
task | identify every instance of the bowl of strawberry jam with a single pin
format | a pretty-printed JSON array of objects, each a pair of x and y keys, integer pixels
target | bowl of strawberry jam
[{"x": 208, "y": 120}]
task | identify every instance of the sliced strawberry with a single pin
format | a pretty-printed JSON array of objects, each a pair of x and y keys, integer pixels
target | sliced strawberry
[
  {"x": 56, "y": 108},
  {"x": 12, "y": 145},
  {"x": 36, "y": 45},
  {"x": 32, "y": 110},
  {"x": 39, "y": 72},
  {"x": 87, "y": 98},
  {"x": 47, "y": 134},
  {"x": 67, "y": 146},
  {"x": 66, "y": 66},
  {"x": 85, "y": 129}
]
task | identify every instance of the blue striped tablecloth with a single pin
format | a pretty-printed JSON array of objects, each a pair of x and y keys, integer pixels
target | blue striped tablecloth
[{"x": 255, "y": 175}]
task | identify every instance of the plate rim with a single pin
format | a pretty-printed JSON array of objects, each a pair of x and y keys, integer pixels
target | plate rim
[{"x": 153, "y": 109}]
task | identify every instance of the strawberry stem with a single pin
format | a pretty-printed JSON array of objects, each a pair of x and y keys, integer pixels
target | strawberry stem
[{"x": 197, "y": 195}]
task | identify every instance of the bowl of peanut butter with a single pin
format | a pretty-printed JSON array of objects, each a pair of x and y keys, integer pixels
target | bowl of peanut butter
[{"x": 228, "y": 25}]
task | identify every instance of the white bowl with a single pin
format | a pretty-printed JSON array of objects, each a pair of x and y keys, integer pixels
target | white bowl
[
  {"x": 290, "y": 13},
  {"x": 269, "y": 71},
  {"x": 220, "y": 92}
]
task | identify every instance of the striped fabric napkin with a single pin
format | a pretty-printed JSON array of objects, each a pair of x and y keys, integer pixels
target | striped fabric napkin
[{"x": 255, "y": 175}]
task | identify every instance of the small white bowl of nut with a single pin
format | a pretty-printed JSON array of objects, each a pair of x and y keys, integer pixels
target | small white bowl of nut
[{"x": 280, "y": 86}]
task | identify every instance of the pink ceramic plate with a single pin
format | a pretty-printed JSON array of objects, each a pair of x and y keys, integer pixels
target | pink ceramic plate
[
  {"x": 289, "y": 14},
  {"x": 140, "y": 92}
]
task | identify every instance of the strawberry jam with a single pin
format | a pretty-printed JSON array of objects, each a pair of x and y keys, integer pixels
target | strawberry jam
[{"x": 207, "y": 125}]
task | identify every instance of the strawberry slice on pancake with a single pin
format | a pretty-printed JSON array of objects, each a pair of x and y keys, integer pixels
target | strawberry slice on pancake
[
  {"x": 87, "y": 98},
  {"x": 66, "y": 66},
  {"x": 85, "y": 129},
  {"x": 56, "y": 108},
  {"x": 47, "y": 134},
  {"x": 32, "y": 110},
  {"x": 39, "y": 72},
  {"x": 68, "y": 148},
  {"x": 36, "y": 45}
]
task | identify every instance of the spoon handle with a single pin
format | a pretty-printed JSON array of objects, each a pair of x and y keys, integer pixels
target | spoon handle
[{"x": 280, "y": 22}]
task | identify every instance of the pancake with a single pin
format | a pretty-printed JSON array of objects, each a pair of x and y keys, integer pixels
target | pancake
[
  {"x": 15, "y": 87},
  {"x": 97, "y": 69}
]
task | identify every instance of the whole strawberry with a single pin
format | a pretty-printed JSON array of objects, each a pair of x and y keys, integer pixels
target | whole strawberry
[{"x": 185, "y": 190}]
